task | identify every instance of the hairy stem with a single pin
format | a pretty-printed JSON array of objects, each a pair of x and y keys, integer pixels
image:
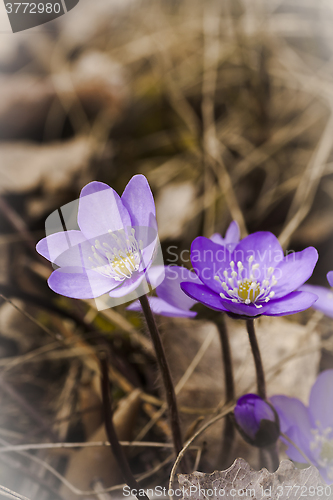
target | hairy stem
[
  {"x": 229, "y": 428},
  {"x": 167, "y": 380},
  {"x": 261, "y": 385},
  {"x": 110, "y": 430}
]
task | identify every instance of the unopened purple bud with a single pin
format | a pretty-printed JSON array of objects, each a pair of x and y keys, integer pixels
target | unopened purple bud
[{"x": 257, "y": 421}]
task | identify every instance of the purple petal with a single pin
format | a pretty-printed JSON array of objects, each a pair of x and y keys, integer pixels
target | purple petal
[
  {"x": 159, "y": 306},
  {"x": 78, "y": 283},
  {"x": 326, "y": 474},
  {"x": 203, "y": 294},
  {"x": 242, "y": 309},
  {"x": 208, "y": 260},
  {"x": 295, "y": 423},
  {"x": 55, "y": 245},
  {"x": 325, "y": 298},
  {"x": 291, "y": 304},
  {"x": 294, "y": 270},
  {"x": 231, "y": 239},
  {"x": 155, "y": 275},
  {"x": 303, "y": 442},
  {"x": 263, "y": 246},
  {"x": 292, "y": 412},
  {"x": 128, "y": 285},
  {"x": 101, "y": 210},
  {"x": 232, "y": 234},
  {"x": 217, "y": 238},
  {"x": 329, "y": 277},
  {"x": 138, "y": 199},
  {"x": 169, "y": 290},
  {"x": 245, "y": 415},
  {"x": 321, "y": 400}
]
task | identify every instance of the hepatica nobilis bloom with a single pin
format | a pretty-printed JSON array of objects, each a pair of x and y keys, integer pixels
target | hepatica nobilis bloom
[
  {"x": 324, "y": 303},
  {"x": 254, "y": 278},
  {"x": 114, "y": 246},
  {"x": 171, "y": 300},
  {"x": 310, "y": 428},
  {"x": 257, "y": 421}
]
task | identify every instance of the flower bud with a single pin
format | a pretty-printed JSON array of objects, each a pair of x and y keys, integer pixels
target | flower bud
[{"x": 257, "y": 421}]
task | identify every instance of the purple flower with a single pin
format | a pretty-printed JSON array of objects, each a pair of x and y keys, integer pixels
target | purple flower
[
  {"x": 324, "y": 303},
  {"x": 171, "y": 300},
  {"x": 114, "y": 246},
  {"x": 253, "y": 279},
  {"x": 310, "y": 428},
  {"x": 257, "y": 421}
]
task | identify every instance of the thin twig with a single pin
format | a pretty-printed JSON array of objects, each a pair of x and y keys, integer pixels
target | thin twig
[
  {"x": 89, "y": 444},
  {"x": 27, "y": 408},
  {"x": 190, "y": 441},
  {"x": 186, "y": 376},
  {"x": 5, "y": 492},
  {"x": 290, "y": 441},
  {"x": 56, "y": 336}
]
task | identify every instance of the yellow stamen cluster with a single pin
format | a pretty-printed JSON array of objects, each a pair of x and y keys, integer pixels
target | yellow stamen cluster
[
  {"x": 241, "y": 285},
  {"x": 119, "y": 261}
]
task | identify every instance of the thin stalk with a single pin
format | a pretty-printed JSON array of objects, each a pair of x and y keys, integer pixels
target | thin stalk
[
  {"x": 261, "y": 385},
  {"x": 274, "y": 456},
  {"x": 167, "y": 380},
  {"x": 227, "y": 360},
  {"x": 229, "y": 428},
  {"x": 269, "y": 458},
  {"x": 111, "y": 432}
]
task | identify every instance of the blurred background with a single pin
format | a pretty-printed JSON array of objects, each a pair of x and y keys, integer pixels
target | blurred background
[{"x": 226, "y": 107}]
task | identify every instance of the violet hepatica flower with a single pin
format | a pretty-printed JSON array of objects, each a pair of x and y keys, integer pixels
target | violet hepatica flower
[
  {"x": 171, "y": 300},
  {"x": 324, "y": 303},
  {"x": 257, "y": 421},
  {"x": 253, "y": 279},
  {"x": 310, "y": 428},
  {"x": 114, "y": 246}
]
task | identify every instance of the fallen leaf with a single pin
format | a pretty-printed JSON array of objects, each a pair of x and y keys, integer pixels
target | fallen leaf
[{"x": 241, "y": 481}]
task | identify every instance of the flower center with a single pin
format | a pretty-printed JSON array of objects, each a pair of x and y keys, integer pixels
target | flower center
[
  {"x": 120, "y": 261},
  {"x": 248, "y": 290},
  {"x": 241, "y": 286}
]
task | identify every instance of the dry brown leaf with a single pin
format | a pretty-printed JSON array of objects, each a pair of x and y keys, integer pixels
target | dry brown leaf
[{"x": 240, "y": 481}]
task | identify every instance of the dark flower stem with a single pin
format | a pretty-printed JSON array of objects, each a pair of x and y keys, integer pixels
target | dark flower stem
[
  {"x": 227, "y": 361},
  {"x": 274, "y": 457},
  {"x": 167, "y": 380},
  {"x": 269, "y": 458},
  {"x": 229, "y": 428},
  {"x": 261, "y": 385},
  {"x": 110, "y": 430}
]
